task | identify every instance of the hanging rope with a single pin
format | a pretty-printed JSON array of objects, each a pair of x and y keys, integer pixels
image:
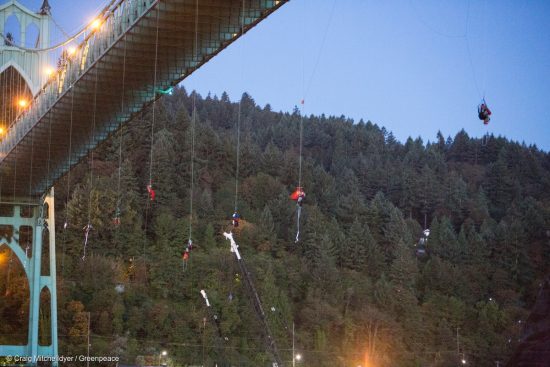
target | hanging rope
[
  {"x": 121, "y": 137},
  {"x": 150, "y": 188},
  {"x": 298, "y": 195},
  {"x": 65, "y": 225},
  {"x": 155, "y": 100},
  {"x": 89, "y": 226},
  {"x": 193, "y": 122},
  {"x": 320, "y": 52},
  {"x": 239, "y": 117}
]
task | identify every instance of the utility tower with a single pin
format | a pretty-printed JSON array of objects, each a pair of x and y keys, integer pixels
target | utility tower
[{"x": 30, "y": 221}]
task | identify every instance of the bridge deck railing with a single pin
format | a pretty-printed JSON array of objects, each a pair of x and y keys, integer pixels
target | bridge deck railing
[{"x": 116, "y": 22}]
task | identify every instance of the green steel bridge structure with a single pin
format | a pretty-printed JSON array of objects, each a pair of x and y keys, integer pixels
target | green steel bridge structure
[{"x": 134, "y": 52}]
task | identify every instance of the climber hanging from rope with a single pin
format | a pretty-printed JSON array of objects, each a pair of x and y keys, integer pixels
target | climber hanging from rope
[
  {"x": 151, "y": 191},
  {"x": 116, "y": 219},
  {"x": 185, "y": 259},
  {"x": 298, "y": 196},
  {"x": 484, "y": 112},
  {"x": 186, "y": 253},
  {"x": 235, "y": 218}
]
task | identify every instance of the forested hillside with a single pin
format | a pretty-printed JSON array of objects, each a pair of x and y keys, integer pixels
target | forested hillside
[{"x": 354, "y": 285}]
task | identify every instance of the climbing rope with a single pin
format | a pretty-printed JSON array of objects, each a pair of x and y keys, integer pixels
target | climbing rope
[
  {"x": 239, "y": 117},
  {"x": 155, "y": 100},
  {"x": 71, "y": 118},
  {"x": 298, "y": 204},
  {"x": 193, "y": 123},
  {"x": 89, "y": 226},
  {"x": 121, "y": 137},
  {"x": 150, "y": 189},
  {"x": 186, "y": 252}
]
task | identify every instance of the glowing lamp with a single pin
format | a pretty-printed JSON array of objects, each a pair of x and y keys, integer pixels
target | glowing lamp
[
  {"x": 71, "y": 50},
  {"x": 2, "y": 131},
  {"x": 22, "y": 103},
  {"x": 96, "y": 23},
  {"x": 48, "y": 71}
]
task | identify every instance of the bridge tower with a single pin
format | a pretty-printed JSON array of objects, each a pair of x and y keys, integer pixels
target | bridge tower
[
  {"x": 30, "y": 30},
  {"x": 28, "y": 223}
]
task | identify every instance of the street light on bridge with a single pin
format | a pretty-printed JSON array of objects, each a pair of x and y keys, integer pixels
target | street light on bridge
[
  {"x": 96, "y": 23},
  {"x": 22, "y": 102},
  {"x": 48, "y": 70}
]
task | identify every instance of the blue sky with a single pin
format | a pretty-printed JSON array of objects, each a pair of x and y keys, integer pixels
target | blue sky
[{"x": 403, "y": 64}]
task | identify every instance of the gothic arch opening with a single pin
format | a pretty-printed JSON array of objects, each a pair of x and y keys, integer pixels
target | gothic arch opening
[
  {"x": 45, "y": 318},
  {"x": 32, "y": 36},
  {"x": 12, "y": 30},
  {"x": 14, "y": 299},
  {"x": 15, "y": 95}
]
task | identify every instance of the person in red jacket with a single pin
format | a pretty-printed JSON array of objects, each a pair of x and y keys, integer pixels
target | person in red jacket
[
  {"x": 298, "y": 196},
  {"x": 151, "y": 191},
  {"x": 484, "y": 113}
]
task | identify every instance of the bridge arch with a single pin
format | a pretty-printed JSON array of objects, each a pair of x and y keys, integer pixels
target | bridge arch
[
  {"x": 22, "y": 72},
  {"x": 15, "y": 84},
  {"x": 15, "y": 294}
]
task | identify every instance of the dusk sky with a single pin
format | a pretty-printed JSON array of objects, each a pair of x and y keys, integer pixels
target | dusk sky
[{"x": 402, "y": 64}]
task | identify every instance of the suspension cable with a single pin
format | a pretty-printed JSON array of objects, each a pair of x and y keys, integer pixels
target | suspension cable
[
  {"x": 193, "y": 122},
  {"x": 63, "y": 43},
  {"x": 239, "y": 116}
]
